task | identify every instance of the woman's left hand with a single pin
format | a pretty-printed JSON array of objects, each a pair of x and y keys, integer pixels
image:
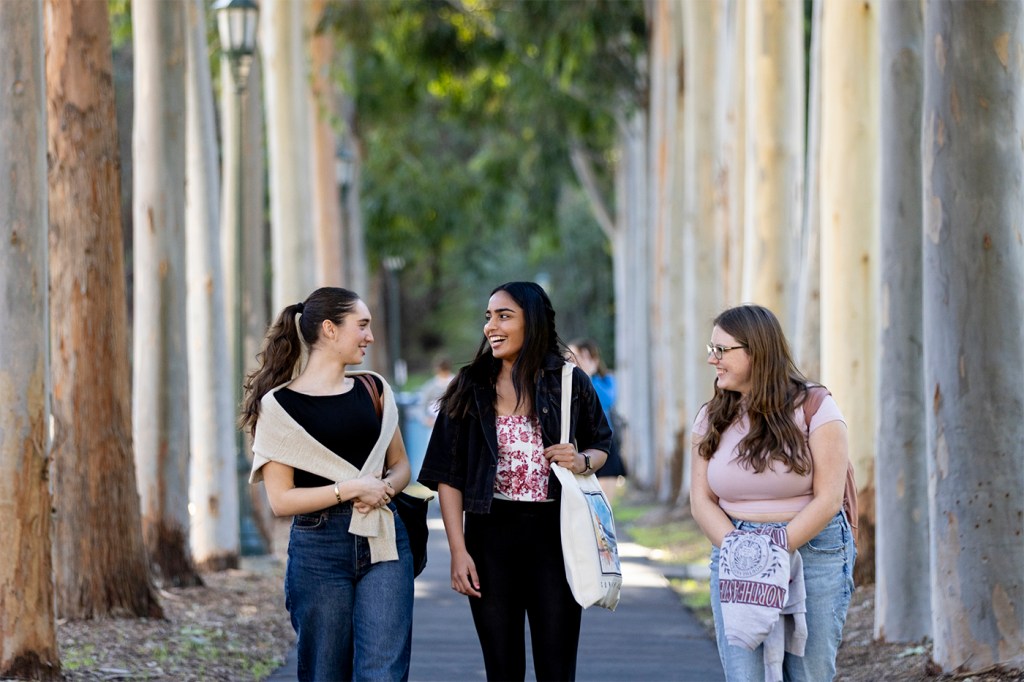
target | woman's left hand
[{"x": 565, "y": 455}]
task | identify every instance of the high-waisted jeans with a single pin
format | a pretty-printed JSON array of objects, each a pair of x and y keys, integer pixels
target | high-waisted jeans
[
  {"x": 353, "y": 618},
  {"x": 828, "y": 576},
  {"x": 517, "y": 549}
]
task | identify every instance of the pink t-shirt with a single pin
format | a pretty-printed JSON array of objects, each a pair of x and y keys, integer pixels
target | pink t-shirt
[
  {"x": 522, "y": 468},
  {"x": 776, "y": 490}
]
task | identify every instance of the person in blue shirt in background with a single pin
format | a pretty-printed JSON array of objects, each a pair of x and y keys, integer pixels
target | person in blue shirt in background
[{"x": 588, "y": 358}]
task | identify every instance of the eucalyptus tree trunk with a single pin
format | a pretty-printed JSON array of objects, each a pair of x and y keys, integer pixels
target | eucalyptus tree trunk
[
  {"x": 704, "y": 263},
  {"x": 356, "y": 262},
  {"x": 327, "y": 222},
  {"x": 213, "y": 490},
  {"x": 160, "y": 386},
  {"x": 974, "y": 329},
  {"x": 902, "y": 600},
  {"x": 28, "y": 643},
  {"x": 849, "y": 240},
  {"x": 807, "y": 322},
  {"x": 665, "y": 325},
  {"x": 774, "y": 163},
  {"x": 730, "y": 95},
  {"x": 100, "y": 564},
  {"x": 633, "y": 297},
  {"x": 288, "y": 145}
]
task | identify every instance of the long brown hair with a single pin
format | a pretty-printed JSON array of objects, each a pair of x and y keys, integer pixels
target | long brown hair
[
  {"x": 282, "y": 347},
  {"x": 777, "y": 390}
]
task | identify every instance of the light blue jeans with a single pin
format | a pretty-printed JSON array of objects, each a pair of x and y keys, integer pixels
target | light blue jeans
[
  {"x": 828, "y": 576},
  {"x": 353, "y": 619}
]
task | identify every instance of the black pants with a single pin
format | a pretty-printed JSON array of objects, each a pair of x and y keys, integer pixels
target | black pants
[{"x": 518, "y": 554}]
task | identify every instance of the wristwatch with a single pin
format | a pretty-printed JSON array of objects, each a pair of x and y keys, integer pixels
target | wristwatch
[{"x": 586, "y": 460}]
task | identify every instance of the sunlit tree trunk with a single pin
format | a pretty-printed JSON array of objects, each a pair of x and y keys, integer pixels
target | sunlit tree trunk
[
  {"x": 849, "y": 240},
  {"x": 973, "y": 172},
  {"x": 28, "y": 644},
  {"x": 290, "y": 156},
  {"x": 213, "y": 490},
  {"x": 774, "y": 162},
  {"x": 160, "y": 386},
  {"x": 902, "y": 603},
  {"x": 730, "y": 95},
  {"x": 100, "y": 563},
  {"x": 327, "y": 221},
  {"x": 665, "y": 325},
  {"x": 807, "y": 322},
  {"x": 703, "y": 264}
]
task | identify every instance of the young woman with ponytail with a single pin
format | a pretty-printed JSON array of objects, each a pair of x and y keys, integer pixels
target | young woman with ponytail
[{"x": 331, "y": 463}]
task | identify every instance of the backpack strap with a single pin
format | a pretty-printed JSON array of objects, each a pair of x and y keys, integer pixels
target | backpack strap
[
  {"x": 371, "y": 388},
  {"x": 812, "y": 401}
]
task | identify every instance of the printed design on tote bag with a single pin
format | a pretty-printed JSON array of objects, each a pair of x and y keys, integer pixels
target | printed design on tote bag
[{"x": 604, "y": 529}]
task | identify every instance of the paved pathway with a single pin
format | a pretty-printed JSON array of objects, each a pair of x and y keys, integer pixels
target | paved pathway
[{"x": 650, "y": 636}]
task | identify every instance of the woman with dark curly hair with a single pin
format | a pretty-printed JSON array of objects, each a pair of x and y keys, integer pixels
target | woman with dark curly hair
[
  {"x": 489, "y": 458},
  {"x": 766, "y": 466}
]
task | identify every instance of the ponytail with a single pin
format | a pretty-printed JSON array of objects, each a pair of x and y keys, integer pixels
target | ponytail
[{"x": 282, "y": 347}]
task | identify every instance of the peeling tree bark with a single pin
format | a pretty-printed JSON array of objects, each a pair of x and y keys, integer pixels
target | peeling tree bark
[
  {"x": 849, "y": 240},
  {"x": 100, "y": 564},
  {"x": 160, "y": 368},
  {"x": 28, "y": 644},
  {"x": 973, "y": 171},
  {"x": 213, "y": 489},
  {"x": 902, "y": 600}
]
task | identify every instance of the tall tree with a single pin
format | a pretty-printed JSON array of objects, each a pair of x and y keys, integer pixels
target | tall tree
[
  {"x": 160, "y": 386},
  {"x": 902, "y": 612},
  {"x": 286, "y": 83},
  {"x": 974, "y": 329},
  {"x": 100, "y": 565},
  {"x": 849, "y": 239},
  {"x": 28, "y": 644},
  {"x": 213, "y": 489},
  {"x": 774, "y": 163}
]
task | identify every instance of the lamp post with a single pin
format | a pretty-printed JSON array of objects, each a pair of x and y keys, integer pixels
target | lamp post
[
  {"x": 393, "y": 264},
  {"x": 236, "y": 24}
]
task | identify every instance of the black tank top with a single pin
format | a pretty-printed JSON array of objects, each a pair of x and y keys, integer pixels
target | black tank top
[{"x": 346, "y": 424}]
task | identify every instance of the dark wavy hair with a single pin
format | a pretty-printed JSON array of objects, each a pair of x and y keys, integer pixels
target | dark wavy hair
[
  {"x": 540, "y": 344},
  {"x": 282, "y": 347},
  {"x": 777, "y": 390}
]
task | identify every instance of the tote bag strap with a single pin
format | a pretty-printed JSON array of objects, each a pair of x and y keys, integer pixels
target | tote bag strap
[{"x": 566, "y": 400}]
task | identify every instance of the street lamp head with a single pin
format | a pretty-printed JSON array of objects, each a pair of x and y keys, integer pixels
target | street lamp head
[{"x": 236, "y": 24}]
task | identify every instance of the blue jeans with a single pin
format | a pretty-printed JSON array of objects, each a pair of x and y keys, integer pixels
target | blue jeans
[
  {"x": 828, "y": 576},
  {"x": 353, "y": 619}
]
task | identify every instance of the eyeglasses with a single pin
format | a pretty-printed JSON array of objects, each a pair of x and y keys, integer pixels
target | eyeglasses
[{"x": 719, "y": 351}]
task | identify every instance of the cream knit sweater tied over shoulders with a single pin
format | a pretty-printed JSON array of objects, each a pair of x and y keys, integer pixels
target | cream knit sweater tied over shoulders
[{"x": 279, "y": 438}]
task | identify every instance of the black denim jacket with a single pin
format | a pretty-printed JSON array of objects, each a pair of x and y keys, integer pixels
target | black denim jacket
[{"x": 463, "y": 453}]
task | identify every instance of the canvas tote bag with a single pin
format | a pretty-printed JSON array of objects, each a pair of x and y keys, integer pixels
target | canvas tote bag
[{"x": 588, "y": 529}]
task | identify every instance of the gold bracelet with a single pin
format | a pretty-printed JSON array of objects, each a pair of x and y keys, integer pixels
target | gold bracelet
[{"x": 337, "y": 493}]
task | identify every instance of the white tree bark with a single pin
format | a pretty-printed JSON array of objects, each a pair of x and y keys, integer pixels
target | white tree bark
[
  {"x": 902, "y": 602},
  {"x": 774, "y": 162},
  {"x": 849, "y": 239},
  {"x": 704, "y": 246},
  {"x": 665, "y": 324},
  {"x": 160, "y": 367},
  {"x": 213, "y": 491},
  {"x": 632, "y": 298},
  {"x": 730, "y": 95},
  {"x": 28, "y": 644},
  {"x": 807, "y": 335},
  {"x": 286, "y": 85},
  {"x": 973, "y": 171}
]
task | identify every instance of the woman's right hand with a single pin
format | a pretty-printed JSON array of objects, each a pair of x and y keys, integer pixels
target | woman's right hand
[
  {"x": 373, "y": 494},
  {"x": 464, "y": 578}
]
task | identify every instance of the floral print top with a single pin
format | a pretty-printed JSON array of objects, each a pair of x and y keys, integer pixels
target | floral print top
[{"x": 522, "y": 469}]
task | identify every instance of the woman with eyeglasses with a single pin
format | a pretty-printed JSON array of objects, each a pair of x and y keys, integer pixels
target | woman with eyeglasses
[{"x": 765, "y": 480}]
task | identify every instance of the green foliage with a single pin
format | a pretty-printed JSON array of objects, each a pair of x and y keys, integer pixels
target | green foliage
[
  {"x": 467, "y": 111},
  {"x": 120, "y": 22}
]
